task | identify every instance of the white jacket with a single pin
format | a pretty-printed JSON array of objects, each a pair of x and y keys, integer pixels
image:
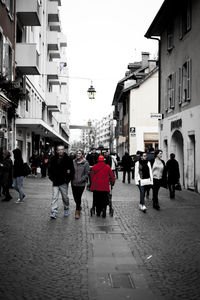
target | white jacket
[{"x": 137, "y": 174}]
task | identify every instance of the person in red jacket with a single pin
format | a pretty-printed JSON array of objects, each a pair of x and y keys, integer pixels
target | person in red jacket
[{"x": 101, "y": 178}]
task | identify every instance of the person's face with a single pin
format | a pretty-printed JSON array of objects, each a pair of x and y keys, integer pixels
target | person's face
[
  {"x": 159, "y": 155},
  {"x": 60, "y": 150},
  {"x": 144, "y": 156},
  {"x": 79, "y": 155}
]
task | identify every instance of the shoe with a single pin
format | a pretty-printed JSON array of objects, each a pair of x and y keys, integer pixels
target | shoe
[
  {"x": 7, "y": 199},
  {"x": 66, "y": 212},
  {"x": 19, "y": 201},
  {"x": 140, "y": 206},
  {"x": 144, "y": 208},
  {"x": 156, "y": 206},
  {"x": 104, "y": 213},
  {"x": 77, "y": 214},
  {"x": 53, "y": 215}
]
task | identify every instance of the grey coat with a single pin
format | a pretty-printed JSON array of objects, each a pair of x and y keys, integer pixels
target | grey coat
[{"x": 82, "y": 171}]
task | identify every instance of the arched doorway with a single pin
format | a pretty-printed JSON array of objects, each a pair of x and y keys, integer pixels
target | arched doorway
[{"x": 177, "y": 149}]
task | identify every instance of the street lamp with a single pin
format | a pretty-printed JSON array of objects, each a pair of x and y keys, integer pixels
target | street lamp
[{"x": 91, "y": 92}]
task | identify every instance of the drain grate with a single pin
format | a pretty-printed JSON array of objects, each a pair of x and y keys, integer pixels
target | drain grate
[{"x": 122, "y": 280}]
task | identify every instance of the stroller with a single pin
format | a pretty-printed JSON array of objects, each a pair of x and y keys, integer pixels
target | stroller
[{"x": 111, "y": 210}]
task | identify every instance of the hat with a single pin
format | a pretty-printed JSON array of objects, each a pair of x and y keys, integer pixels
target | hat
[{"x": 101, "y": 158}]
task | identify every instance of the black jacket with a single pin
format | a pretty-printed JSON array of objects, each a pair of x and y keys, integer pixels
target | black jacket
[
  {"x": 173, "y": 173},
  {"x": 60, "y": 170}
]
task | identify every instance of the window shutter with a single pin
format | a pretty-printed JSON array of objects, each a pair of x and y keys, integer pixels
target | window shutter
[
  {"x": 173, "y": 85},
  {"x": 166, "y": 94},
  {"x": 6, "y": 58},
  {"x": 189, "y": 75},
  {"x": 180, "y": 85}
]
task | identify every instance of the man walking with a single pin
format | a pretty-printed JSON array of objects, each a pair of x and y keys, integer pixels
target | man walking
[
  {"x": 127, "y": 164},
  {"x": 61, "y": 171}
]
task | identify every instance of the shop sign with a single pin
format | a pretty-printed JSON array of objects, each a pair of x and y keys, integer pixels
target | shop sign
[{"x": 176, "y": 124}]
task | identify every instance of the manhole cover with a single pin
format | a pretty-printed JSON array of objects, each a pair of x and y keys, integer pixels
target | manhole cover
[{"x": 122, "y": 280}]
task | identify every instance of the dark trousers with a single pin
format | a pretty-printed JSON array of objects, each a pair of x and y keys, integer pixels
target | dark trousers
[
  {"x": 43, "y": 170},
  {"x": 156, "y": 187},
  {"x": 100, "y": 201},
  {"x": 129, "y": 175},
  {"x": 171, "y": 190},
  {"x": 77, "y": 194}
]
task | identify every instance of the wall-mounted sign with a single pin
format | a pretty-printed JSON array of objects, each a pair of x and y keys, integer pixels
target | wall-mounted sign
[
  {"x": 156, "y": 116},
  {"x": 132, "y": 131}
]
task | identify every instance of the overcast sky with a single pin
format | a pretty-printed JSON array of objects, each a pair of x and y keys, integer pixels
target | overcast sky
[{"x": 103, "y": 37}]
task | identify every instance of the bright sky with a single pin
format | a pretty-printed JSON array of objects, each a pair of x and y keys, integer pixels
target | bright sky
[{"x": 103, "y": 37}]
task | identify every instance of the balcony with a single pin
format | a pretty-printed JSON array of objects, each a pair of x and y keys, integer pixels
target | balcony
[
  {"x": 55, "y": 26},
  {"x": 52, "y": 11},
  {"x": 52, "y": 70},
  {"x": 52, "y": 102},
  {"x": 53, "y": 40},
  {"x": 27, "y": 59},
  {"x": 59, "y": 2},
  {"x": 28, "y": 12},
  {"x": 54, "y": 54},
  {"x": 63, "y": 40}
]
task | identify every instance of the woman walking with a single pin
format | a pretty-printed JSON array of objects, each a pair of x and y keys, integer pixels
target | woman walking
[
  {"x": 143, "y": 178},
  {"x": 82, "y": 170},
  {"x": 18, "y": 174},
  {"x": 159, "y": 176},
  {"x": 101, "y": 177},
  {"x": 7, "y": 174}
]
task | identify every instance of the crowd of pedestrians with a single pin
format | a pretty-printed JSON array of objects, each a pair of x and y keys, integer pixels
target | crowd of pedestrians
[{"x": 95, "y": 171}]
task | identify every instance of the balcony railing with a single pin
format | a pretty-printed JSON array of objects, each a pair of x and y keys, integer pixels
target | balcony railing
[
  {"x": 52, "y": 11},
  {"x": 53, "y": 40},
  {"x": 52, "y": 101},
  {"x": 28, "y": 12}
]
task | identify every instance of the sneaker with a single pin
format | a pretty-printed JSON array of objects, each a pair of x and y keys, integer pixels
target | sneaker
[
  {"x": 53, "y": 215},
  {"x": 66, "y": 212},
  {"x": 140, "y": 206},
  {"x": 19, "y": 201},
  {"x": 144, "y": 208}
]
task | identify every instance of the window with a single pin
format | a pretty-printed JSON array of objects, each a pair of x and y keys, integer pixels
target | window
[
  {"x": 170, "y": 37},
  {"x": 186, "y": 81},
  {"x": 1, "y": 53},
  {"x": 185, "y": 18},
  {"x": 8, "y": 61},
  {"x": 171, "y": 83}
]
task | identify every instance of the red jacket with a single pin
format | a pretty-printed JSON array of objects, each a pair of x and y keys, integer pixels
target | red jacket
[{"x": 101, "y": 176}]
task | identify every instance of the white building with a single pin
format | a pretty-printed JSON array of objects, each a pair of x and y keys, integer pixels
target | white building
[
  {"x": 41, "y": 68},
  {"x": 135, "y": 100},
  {"x": 179, "y": 85}
]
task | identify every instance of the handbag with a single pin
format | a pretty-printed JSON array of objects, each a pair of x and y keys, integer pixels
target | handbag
[
  {"x": 178, "y": 186},
  {"x": 146, "y": 181}
]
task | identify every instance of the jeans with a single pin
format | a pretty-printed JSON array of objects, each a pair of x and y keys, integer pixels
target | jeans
[
  {"x": 17, "y": 184},
  {"x": 64, "y": 193},
  {"x": 156, "y": 187},
  {"x": 142, "y": 193},
  {"x": 77, "y": 194},
  {"x": 129, "y": 176}
]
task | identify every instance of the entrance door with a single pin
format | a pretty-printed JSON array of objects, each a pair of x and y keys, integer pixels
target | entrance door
[
  {"x": 177, "y": 149},
  {"x": 191, "y": 163}
]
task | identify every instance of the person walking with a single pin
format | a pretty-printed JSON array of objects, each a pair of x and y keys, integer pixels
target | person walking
[
  {"x": 18, "y": 174},
  {"x": 159, "y": 176},
  {"x": 82, "y": 171},
  {"x": 114, "y": 164},
  {"x": 173, "y": 174},
  {"x": 43, "y": 164},
  {"x": 143, "y": 178},
  {"x": 101, "y": 177},
  {"x": 60, "y": 172},
  {"x": 35, "y": 163},
  {"x": 127, "y": 164},
  {"x": 150, "y": 156},
  {"x": 7, "y": 166}
]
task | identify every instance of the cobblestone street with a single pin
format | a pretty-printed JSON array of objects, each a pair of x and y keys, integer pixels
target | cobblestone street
[{"x": 130, "y": 256}]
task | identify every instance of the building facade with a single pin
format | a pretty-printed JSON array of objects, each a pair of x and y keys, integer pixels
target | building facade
[
  {"x": 179, "y": 85},
  {"x": 135, "y": 101},
  {"x": 40, "y": 118}
]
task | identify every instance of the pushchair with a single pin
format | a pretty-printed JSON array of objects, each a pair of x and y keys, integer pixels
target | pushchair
[{"x": 109, "y": 204}]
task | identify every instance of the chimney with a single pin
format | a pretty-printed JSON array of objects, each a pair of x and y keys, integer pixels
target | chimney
[{"x": 145, "y": 58}]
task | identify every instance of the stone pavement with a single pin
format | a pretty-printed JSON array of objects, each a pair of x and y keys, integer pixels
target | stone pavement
[{"x": 131, "y": 255}]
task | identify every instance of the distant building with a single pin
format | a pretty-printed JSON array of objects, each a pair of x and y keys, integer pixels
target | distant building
[
  {"x": 176, "y": 26},
  {"x": 135, "y": 99}
]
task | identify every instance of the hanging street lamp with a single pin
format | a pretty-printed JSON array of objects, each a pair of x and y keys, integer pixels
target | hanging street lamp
[{"x": 91, "y": 92}]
